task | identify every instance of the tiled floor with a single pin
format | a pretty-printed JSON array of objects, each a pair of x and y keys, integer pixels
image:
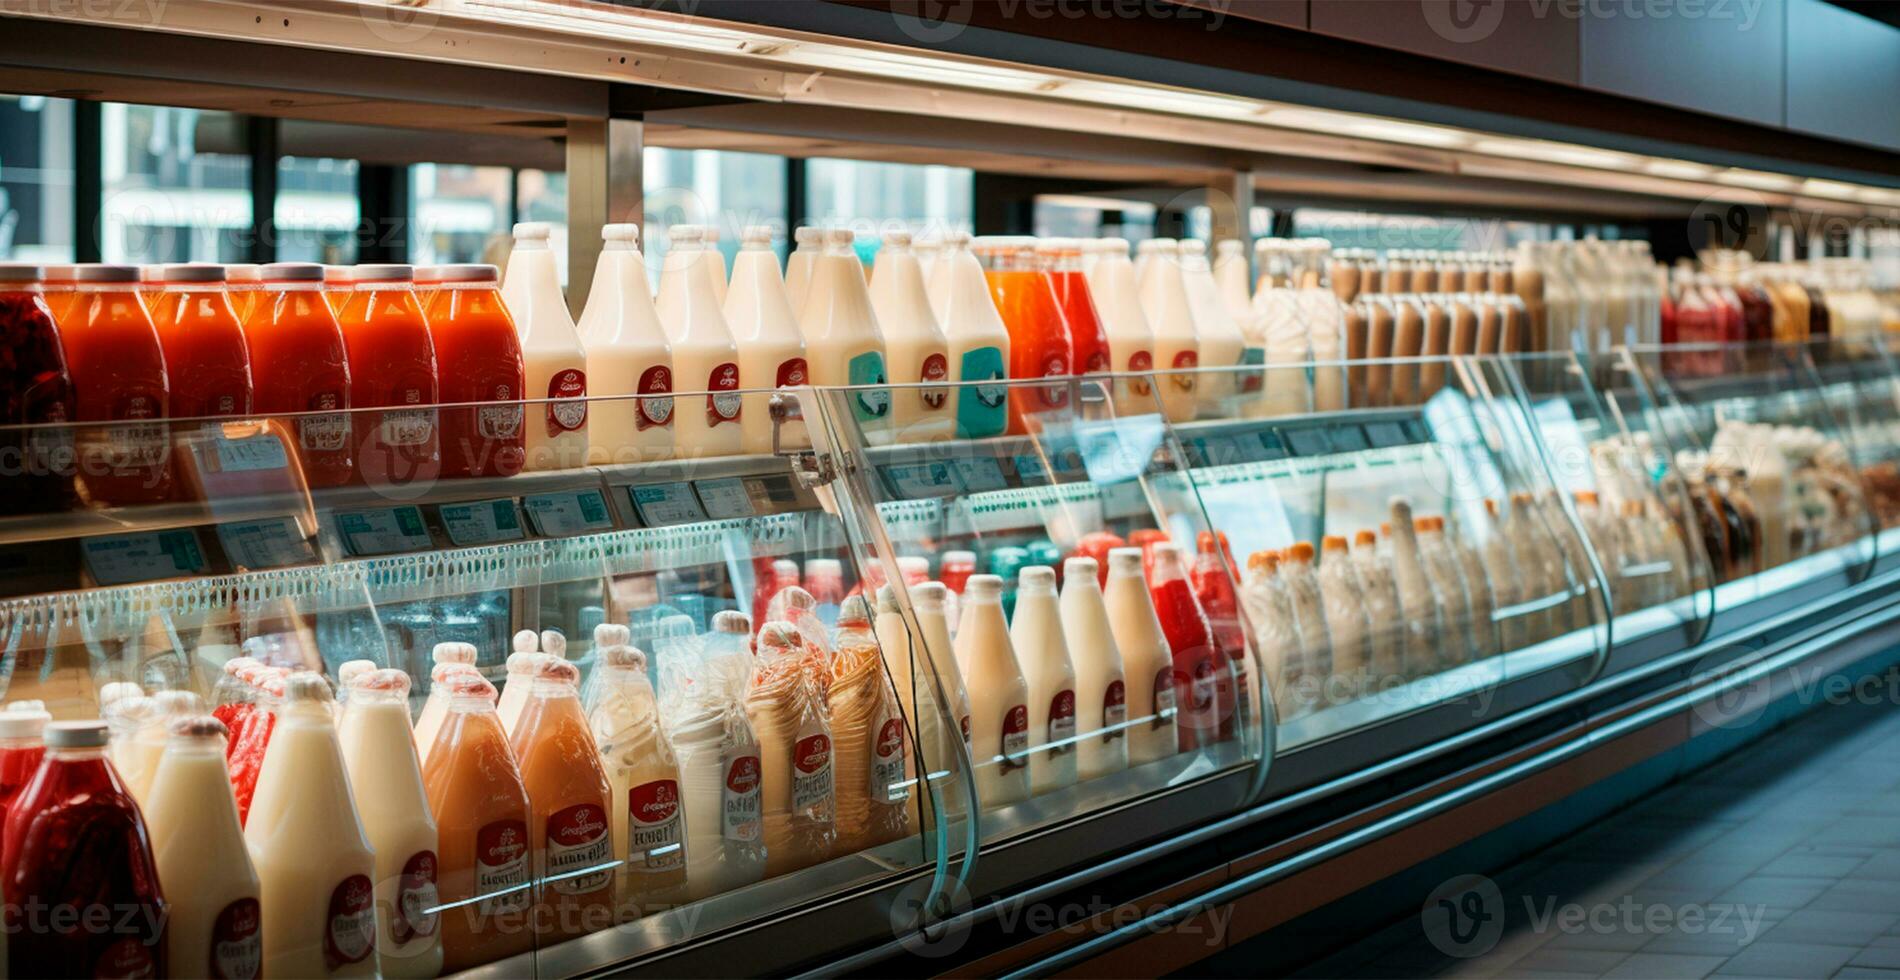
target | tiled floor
[{"x": 1781, "y": 861}]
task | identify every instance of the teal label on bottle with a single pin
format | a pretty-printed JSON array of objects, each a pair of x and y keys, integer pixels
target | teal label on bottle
[
  {"x": 1254, "y": 376},
  {"x": 868, "y": 369},
  {"x": 981, "y": 408}
]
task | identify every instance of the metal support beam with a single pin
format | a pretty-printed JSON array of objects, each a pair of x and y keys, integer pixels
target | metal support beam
[
  {"x": 603, "y": 188},
  {"x": 88, "y": 183},
  {"x": 262, "y": 139},
  {"x": 1231, "y": 201},
  {"x": 383, "y": 232}
]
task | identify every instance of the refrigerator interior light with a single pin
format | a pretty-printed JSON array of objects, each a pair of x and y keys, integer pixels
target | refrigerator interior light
[
  {"x": 1829, "y": 188},
  {"x": 1368, "y": 127},
  {"x": 1757, "y": 179},
  {"x": 1549, "y": 152},
  {"x": 1156, "y": 98},
  {"x": 1679, "y": 169}
]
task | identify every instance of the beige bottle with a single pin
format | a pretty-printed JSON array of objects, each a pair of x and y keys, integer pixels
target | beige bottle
[
  {"x": 1147, "y": 663},
  {"x": 520, "y": 677},
  {"x": 435, "y": 707},
  {"x": 214, "y": 929},
  {"x": 771, "y": 348},
  {"x": 629, "y": 365},
  {"x": 314, "y": 863},
  {"x": 1347, "y": 622},
  {"x": 999, "y": 696},
  {"x": 1222, "y": 345},
  {"x": 930, "y": 602},
  {"x": 649, "y": 832},
  {"x": 907, "y": 658},
  {"x": 1308, "y": 682},
  {"x": 386, "y": 782},
  {"x": 1383, "y": 613},
  {"x": 1381, "y": 317},
  {"x": 1131, "y": 341},
  {"x": 1177, "y": 347},
  {"x": 978, "y": 342},
  {"x": 1035, "y": 632},
  {"x": 1325, "y": 318},
  {"x": 843, "y": 343},
  {"x": 716, "y": 267},
  {"x": 1231, "y": 272},
  {"x": 1418, "y": 601},
  {"x": 707, "y": 418},
  {"x": 1279, "y": 334},
  {"x": 551, "y": 352},
  {"x": 915, "y": 348},
  {"x": 808, "y": 243},
  {"x": 1101, "y": 690}
]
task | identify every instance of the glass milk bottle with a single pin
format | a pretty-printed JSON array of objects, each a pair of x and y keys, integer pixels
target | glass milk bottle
[
  {"x": 1177, "y": 348},
  {"x": 551, "y": 351},
  {"x": 915, "y": 347},
  {"x": 1279, "y": 332},
  {"x": 1222, "y": 343},
  {"x": 1101, "y": 693},
  {"x": 1131, "y": 342},
  {"x": 843, "y": 343},
  {"x": 1035, "y": 631},
  {"x": 929, "y": 600},
  {"x": 214, "y": 929},
  {"x": 707, "y": 421},
  {"x": 977, "y": 340},
  {"x": 810, "y": 243},
  {"x": 771, "y": 348},
  {"x": 1147, "y": 663},
  {"x": 1233, "y": 277},
  {"x": 386, "y": 781},
  {"x": 999, "y": 696},
  {"x": 627, "y": 355}
]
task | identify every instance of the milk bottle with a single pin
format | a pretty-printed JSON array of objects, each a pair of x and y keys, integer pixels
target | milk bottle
[
  {"x": 976, "y": 339},
  {"x": 1147, "y": 253},
  {"x": 999, "y": 696},
  {"x": 649, "y": 832},
  {"x": 387, "y": 785},
  {"x": 436, "y": 706},
  {"x": 810, "y": 242},
  {"x": 1307, "y": 682},
  {"x": 1177, "y": 347},
  {"x": 1231, "y": 273},
  {"x": 771, "y": 349},
  {"x": 1035, "y": 631},
  {"x": 314, "y": 863},
  {"x": 1101, "y": 690},
  {"x": 1147, "y": 663},
  {"x": 705, "y": 358},
  {"x": 930, "y": 602},
  {"x": 843, "y": 343},
  {"x": 1222, "y": 343},
  {"x": 1478, "y": 587},
  {"x": 550, "y": 351},
  {"x": 915, "y": 347},
  {"x": 907, "y": 657},
  {"x": 1508, "y": 584},
  {"x": 627, "y": 355},
  {"x": 1346, "y": 621},
  {"x": 716, "y": 267},
  {"x": 1279, "y": 332},
  {"x": 1276, "y": 634},
  {"x": 1383, "y": 612},
  {"x": 1325, "y": 319},
  {"x": 1418, "y": 601},
  {"x": 214, "y": 929},
  {"x": 1460, "y": 641},
  {"x": 1131, "y": 342}
]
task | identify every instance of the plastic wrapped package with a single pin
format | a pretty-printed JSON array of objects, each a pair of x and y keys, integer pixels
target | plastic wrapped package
[
  {"x": 1308, "y": 680},
  {"x": 649, "y": 830},
  {"x": 1386, "y": 641},
  {"x": 718, "y": 756},
  {"x": 1508, "y": 585},
  {"x": 1346, "y": 623},
  {"x": 872, "y": 768},
  {"x": 1424, "y": 618},
  {"x": 798, "y": 795},
  {"x": 798, "y": 607}
]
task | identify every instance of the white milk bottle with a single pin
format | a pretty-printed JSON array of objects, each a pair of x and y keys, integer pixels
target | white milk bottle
[
  {"x": 1035, "y": 631},
  {"x": 1222, "y": 343},
  {"x": 551, "y": 352},
  {"x": 842, "y": 341},
  {"x": 627, "y": 355},
  {"x": 707, "y": 422},
  {"x": 929, "y": 600},
  {"x": 1101, "y": 693},
  {"x": 1235, "y": 279},
  {"x": 436, "y": 706},
  {"x": 1177, "y": 348},
  {"x": 1146, "y": 658},
  {"x": 914, "y": 677},
  {"x": 1347, "y": 623},
  {"x": 1146, "y": 253},
  {"x": 1307, "y": 680},
  {"x": 313, "y": 860},
  {"x": 810, "y": 242},
  {"x": 1381, "y": 596},
  {"x": 915, "y": 349},
  {"x": 771, "y": 348},
  {"x": 999, "y": 696},
  {"x": 1131, "y": 342},
  {"x": 649, "y": 831},
  {"x": 387, "y": 784},
  {"x": 1418, "y": 600},
  {"x": 215, "y": 929},
  {"x": 716, "y": 268},
  {"x": 978, "y": 342}
]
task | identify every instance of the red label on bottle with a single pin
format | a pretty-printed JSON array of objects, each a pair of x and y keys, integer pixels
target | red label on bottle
[
  {"x": 936, "y": 369},
  {"x": 1204, "y": 686},
  {"x": 577, "y": 841},
  {"x": 567, "y": 416},
  {"x": 1182, "y": 361},
  {"x": 722, "y": 395},
  {"x": 1062, "y": 722},
  {"x": 812, "y": 754},
  {"x": 415, "y": 896},
  {"x": 350, "y": 930},
  {"x": 1114, "y": 709},
  {"x": 1015, "y": 738},
  {"x": 741, "y": 804},
  {"x": 655, "y": 839},
  {"x": 127, "y": 959},
  {"x": 654, "y": 802},
  {"x": 1164, "y": 697},
  {"x": 137, "y": 405},
  {"x": 501, "y": 866},
  {"x": 1139, "y": 362},
  {"x": 792, "y": 373},
  {"x": 743, "y": 775},
  {"x": 654, "y": 412},
  {"x": 1054, "y": 366},
  {"x": 237, "y": 942},
  {"x": 963, "y": 727}
]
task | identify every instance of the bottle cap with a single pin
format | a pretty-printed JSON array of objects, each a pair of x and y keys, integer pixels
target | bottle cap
[
  {"x": 351, "y": 670},
  {"x": 1193, "y": 246},
  {"x": 1036, "y": 578},
  {"x": 1520, "y": 499},
  {"x": 981, "y": 587},
  {"x": 21, "y": 272},
  {"x": 886, "y": 600},
  {"x": 26, "y": 704},
  {"x": 1078, "y": 568},
  {"x": 808, "y": 235},
  {"x": 192, "y": 272},
  {"x": 823, "y": 568},
  {"x": 686, "y": 235},
  {"x": 611, "y": 635},
  {"x": 178, "y": 702},
  {"x": 1332, "y": 542},
  {"x": 75, "y": 734},
  {"x": 117, "y": 690},
  {"x": 290, "y": 272},
  {"x": 913, "y": 566},
  {"x": 442, "y": 672},
  {"x": 1587, "y": 497},
  {"x": 198, "y": 726},
  {"x": 928, "y": 596},
  {"x": 523, "y": 663},
  {"x": 625, "y": 231},
  {"x": 840, "y": 237},
  {"x": 236, "y": 665},
  {"x": 779, "y": 636},
  {"x": 533, "y": 231},
  {"x": 855, "y": 610},
  {"x": 307, "y": 686},
  {"x": 1226, "y": 247},
  {"x": 624, "y": 655},
  {"x": 385, "y": 272},
  {"x": 451, "y": 652},
  {"x": 1114, "y": 245},
  {"x": 554, "y": 643},
  {"x": 387, "y": 679},
  {"x": 756, "y": 235},
  {"x": 964, "y": 558},
  {"x": 1124, "y": 561},
  {"x": 470, "y": 684},
  {"x": 462, "y": 272},
  {"x": 527, "y": 641},
  {"x": 898, "y": 238},
  {"x": 554, "y": 670},
  {"x": 731, "y": 621},
  {"x": 1301, "y": 551},
  {"x": 1365, "y": 538},
  {"x": 23, "y": 724},
  {"x": 1421, "y": 523}
]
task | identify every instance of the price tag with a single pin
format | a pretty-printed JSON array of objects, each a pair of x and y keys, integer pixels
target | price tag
[
  {"x": 661, "y": 504},
  {"x": 772, "y": 493},
  {"x": 1029, "y": 471},
  {"x": 725, "y": 499},
  {"x": 981, "y": 474},
  {"x": 1307, "y": 442},
  {"x": 482, "y": 522},
  {"x": 271, "y": 543},
  {"x": 144, "y": 557},
  {"x": 383, "y": 532},
  {"x": 1349, "y": 439},
  {"x": 262, "y": 452},
  {"x": 917, "y": 481},
  {"x": 1384, "y": 435},
  {"x": 565, "y": 514}
]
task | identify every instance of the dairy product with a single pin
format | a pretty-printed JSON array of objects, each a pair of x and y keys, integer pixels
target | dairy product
[
  {"x": 976, "y": 340},
  {"x": 1276, "y": 632},
  {"x": 1383, "y": 612},
  {"x": 551, "y": 352},
  {"x": 916, "y": 349},
  {"x": 931, "y": 602},
  {"x": 809, "y": 244},
  {"x": 716, "y": 264},
  {"x": 1147, "y": 661},
  {"x": 875, "y": 801},
  {"x": 1461, "y": 642},
  {"x": 1035, "y": 632},
  {"x": 1101, "y": 689},
  {"x": 707, "y": 419},
  {"x": 1222, "y": 345},
  {"x": 719, "y": 760},
  {"x": 147, "y": 742},
  {"x": 1307, "y": 683},
  {"x": 787, "y": 710},
  {"x": 1509, "y": 582},
  {"x": 569, "y": 827},
  {"x": 1478, "y": 588},
  {"x": 215, "y": 927},
  {"x": 386, "y": 782},
  {"x": 1542, "y": 564},
  {"x": 907, "y": 657},
  {"x": 1233, "y": 276},
  {"x": 843, "y": 343},
  {"x": 627, "y": 355},
  {"x": 999, "y": 696},
  {"x": 1418, "y": 600},
  {"x": 1131, "y": 342},
  {"x": 1325, "y": 318},
  {"x": 1177, "y": 344},
  {"x": 1347, "y": 624},
  {"x": 771, "y": 348},
  {"x": 1279, "y": 333}
]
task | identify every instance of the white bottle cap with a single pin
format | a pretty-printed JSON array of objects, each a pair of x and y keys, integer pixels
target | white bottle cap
[
  {"x": 981, "y": 587},
  {"x": 886, "y": 600},
  {"x": 965, "y": 557},
  {"x": 533, "y": 231},
  {"x": 756, "y": 235},
  {"x": 897, "y": 238},
  {"x": 928, "y": 596},
  {"x": 351, "y": 670},
  {"x": 1124, "y": 561},
  {"x": 554, "y": 644},
  {"x": 620, "y": 232},
  {"x": 731, "y": 621},
  {"x": 450, "y": 652},
  {"x": 527, "y": 641},
  {"x": 907, "y": 564},
  {"x": 1193, "y": 246},
  {"x": 306, "y": 686},
  {"x": 1153, "y": 245},
  {"x": 242, "y": 272},
  {"x": 679, "y": 235},
  {"x": 808, "y": 235},
  {"x": 843, "y": 237},
  {"x": 1079, "y": 568},
  {"x": 118, "y": 690},
  {"x": 824, "y": 566},
  {"x": 611, "y": 635},
  {"x": 1036, "y": 578},
  {"x": 1230, "y": 246},
  {"x": 23, "y": 724}
]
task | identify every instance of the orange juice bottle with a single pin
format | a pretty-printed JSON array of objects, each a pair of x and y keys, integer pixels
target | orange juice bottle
[
  {"x": 569, "y": 823},
  {"x": 482, "y": 845},
  {"x": 1039, "y": 341},
  {"x": 478, "y": 359},
  {"x": 298, "y": 365},
  {"x": 392, "y": 364}
]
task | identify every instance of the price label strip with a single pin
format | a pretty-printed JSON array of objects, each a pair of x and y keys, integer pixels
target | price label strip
[
  {"x": 272, "y": 543},
  {"x": 143, "y": 557},
  {"x": 663, "y": 504},
  {"x": 725, "y": 499},
  {"x": 482, "y": 522},
  {"x": 265, "y": 452},
  {"x": 567, "y": 513},
  {"x": 981, "y": 474},
  {"x": 919, "y": 481},
  {"x": 386, "y": 531}
]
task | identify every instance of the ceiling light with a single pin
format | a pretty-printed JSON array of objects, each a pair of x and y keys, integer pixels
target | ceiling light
[
  {"x": 1679, "y": 169},
  {"x": 1756, "y": 179},
  {"x": 1540, "y": 150},
  {"x": 1828, "y": 188}
]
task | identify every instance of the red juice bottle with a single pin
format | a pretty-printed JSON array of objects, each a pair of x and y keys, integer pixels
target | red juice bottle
[
  {"x": 1206, "y": 703},
  {"x": 1146, "y": 538},
  {"x": 1097, "y": 545},
  {"x": 75, "y": 843},
  {"x": 392, "y": 365},
  {"x": 955, "y": 569},
  {"x": 1214, "y": 589},
  {"x": 478, "y": 359},
  {"x": 1061, "y": 259},
  {"x": 34, "y": 390},
  {"x": 118, "y": 374},
  {"x": 1039, "y": 342},
  {"x": 21, "y": 749},
  {"x": 206, "y": 358},
  {"x": 298, "y": 364}
]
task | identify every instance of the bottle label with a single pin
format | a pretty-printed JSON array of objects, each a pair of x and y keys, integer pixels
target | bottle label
[
  {"x": 936, "y": 369},
  {"x": 722, "y": 395},
  {"x": 887, "y": 763},
  {"x": 1114, "y": 710},
  {"x": 1055, "y": 365},
  {"x": 1062, "y": 722},
  {"x": 501, "y": 867},
  {"x": 655, "y": 840},
  {"x": 350, "y": 933},
  {"x": 1098, "y": 363},
  {"x": 791, "y": 374},
  {"x": 237, "y": 941},
  {"x": 1015, "y": 738},
  {"x": 1164, "y": 698},
  {"x": 963, "y": 726},
  {"x": 1185, "y": 360},
  {"x": 980, "y": 410},
  {"x": 1206, "y": 682},
  {"x": 129, "y": 958},
  {"x": 811, "y": 775},
  {"x": 567, "y": 416},
  {"x": 136, "y": 445},
  {"x": 578, "y": 841},
  {"x": 499, "y": 421},
  {"x": 1253, "y": 380},
  {"x": 408, "y": 427},
  {"x": 868, "y": 369},
  {"x": 324, "y": 433},
  {"x": 742, "y": 799},
  {"x": 415, "y": 896},
  {"x": 654, "y": 411},
  {"x": 1140, "y": 362}
]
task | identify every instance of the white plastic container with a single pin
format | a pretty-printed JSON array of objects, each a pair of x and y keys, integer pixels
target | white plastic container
[
  {"x": 1101, "y": 691},
  {"x": 1222, "y": 345},
  {"x": 705, "y": 357},
  {"x": 809, "y": 243},
  {"x": 551, "y": 352},
  {"x": 916, "y": 351},
  {"x": 386, "y": 782},
  {"x": 215, "y": 928},
  {"x": 627, "y": 355},
  {"x": 1131, "y": 341},
  {"x": 1147, "y": 663},
  {"x": 976, "y": 339},
  {"x": 1035, "y": 631},
  {"x": 843, "y": 343},
  {"x": 771, "y": 348},
  {"x": 999, "y": 696}
]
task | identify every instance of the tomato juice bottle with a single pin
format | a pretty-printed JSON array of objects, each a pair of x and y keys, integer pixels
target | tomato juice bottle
[
  {"x": 299, "y": 365},
  {"x": 35, "y": 389},
  {"x": 392, "y": 366},
  {"x": 206, "y": 358},
  {"x": 478, "y": 359},
  {"x": 1198, "y": 663},
  {"x": 118, "y": 372}
]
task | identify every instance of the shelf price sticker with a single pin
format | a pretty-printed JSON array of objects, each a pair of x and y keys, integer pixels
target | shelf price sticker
[
  {"x": 919, "y": 481},
  {"x": 482, "y": 522},
  {"x": 1384, "y": 435},
  {"x": 663, "y": 504},
  {"x": 1307, "y": 442},
  {"x": 725, "y": 499},
  {"x": 386, "y": 531},
  {"x": 980, "y": 474},
  {"x": 250, "y": 453},
  {"x": 144, "y": 557},
  {"x": 271, "y": 543},
  {"x": 567, "y": 513}
]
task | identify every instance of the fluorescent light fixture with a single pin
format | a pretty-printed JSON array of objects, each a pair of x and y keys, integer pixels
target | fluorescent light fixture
[
  {"x": 1828, "y": 188},
  {"x": 916, "y": 68},
  {"x": 1156, "y": 98},
  {"x": 1756, "y": 179},
  {"x": 1365, "y": 127},
  {"x": 1879, "y": 195},
  {"x": 1548, "y": 152},
  {"x": 1679, "y": 169},
  {"x": 1097, "y": 203}
]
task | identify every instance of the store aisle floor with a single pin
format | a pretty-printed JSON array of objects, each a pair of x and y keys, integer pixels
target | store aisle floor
[{"x": 1782, "y": 860}]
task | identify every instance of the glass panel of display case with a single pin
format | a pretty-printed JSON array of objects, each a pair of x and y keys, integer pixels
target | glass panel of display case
[
  {"x": 1858, "y": 382},
  {"x": 1771, "y": 474},
  {"x": 1402, "y": 554}
]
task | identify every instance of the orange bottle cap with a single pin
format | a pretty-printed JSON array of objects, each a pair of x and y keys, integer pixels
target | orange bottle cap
[
  {"x": 1333, "y": 542},
  {"x": 1365, "y": 538},
  {"x": 1301, "y": 551}
]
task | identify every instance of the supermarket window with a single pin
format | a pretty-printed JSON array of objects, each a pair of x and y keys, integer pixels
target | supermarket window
[
  {"x": 461, "y": 213},
  {"x": 541, "y": 195},
  {"x": 1365, "y": 229},
  {"x": 711, "y": 187},
  {"x": 36, "y": 178},
  {"x": 865, "y": 195},
  {"x": 317, "y": 210},
  {"x": 165, "y": 200}
]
